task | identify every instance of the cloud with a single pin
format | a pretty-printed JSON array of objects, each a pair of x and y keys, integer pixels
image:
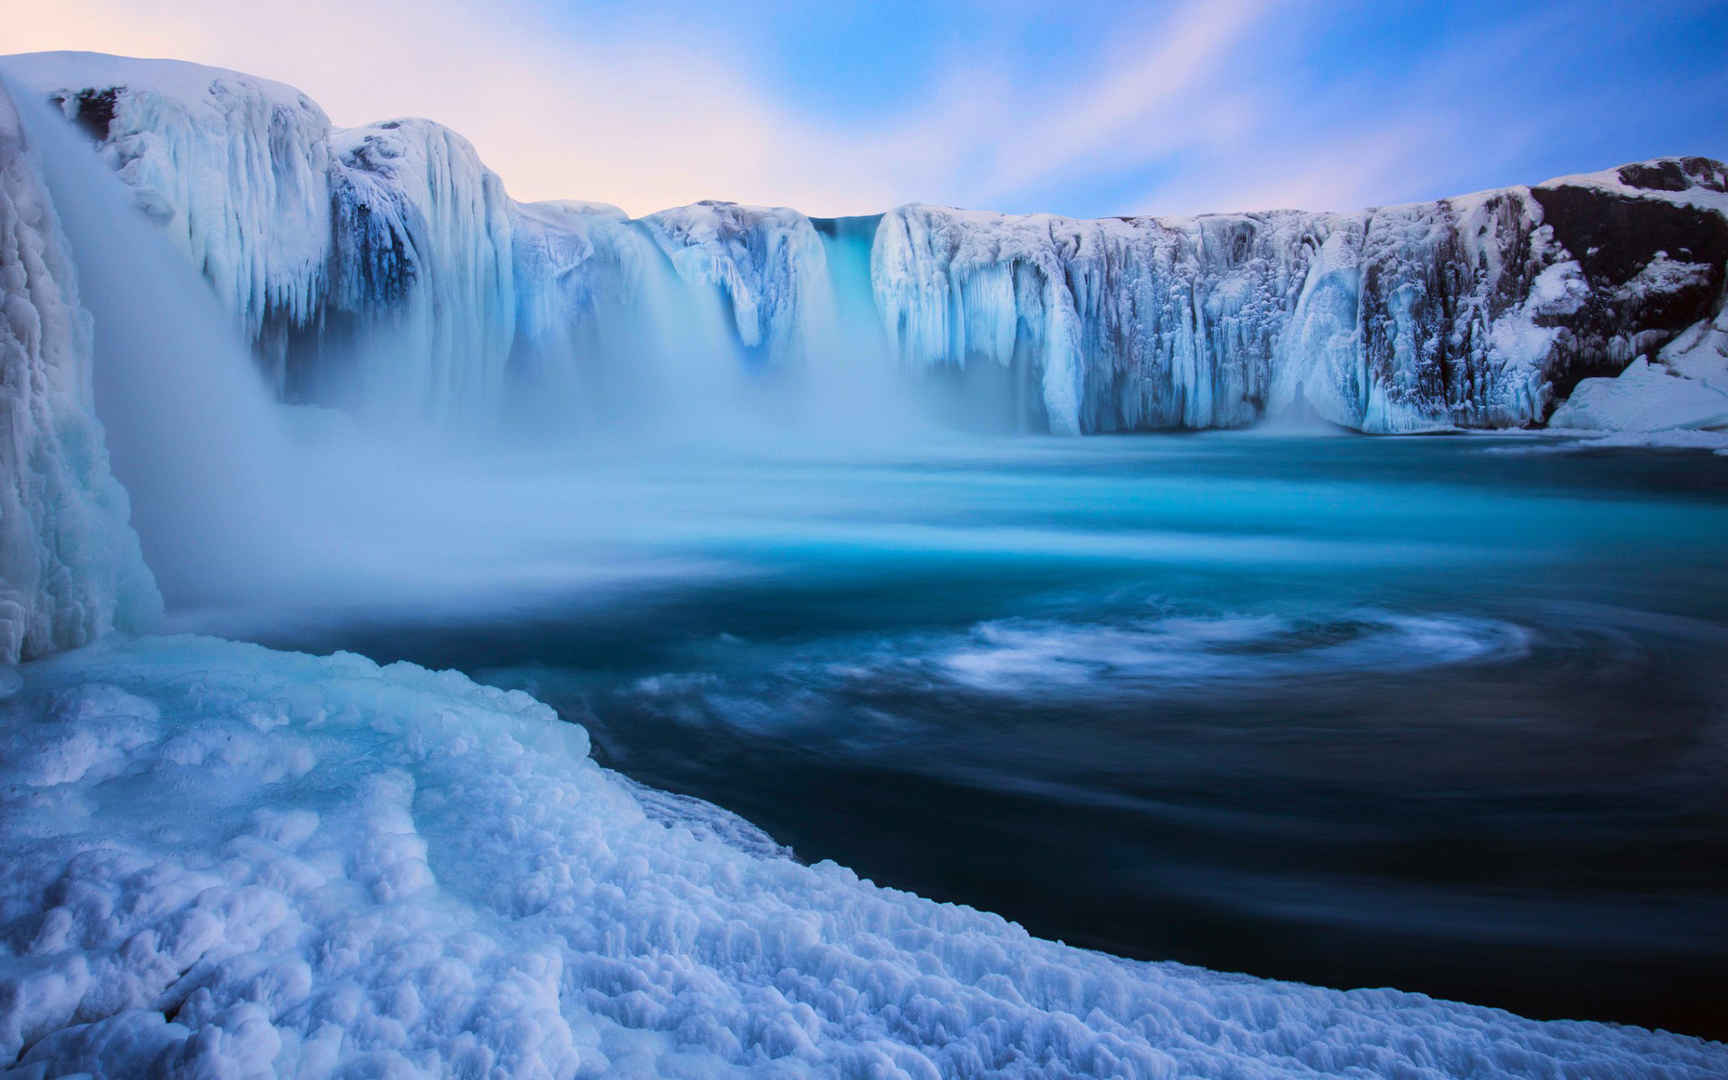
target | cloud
[
  {"x": 1187, "y": 106},
  {"x": 1143, "y": 102},
  {"x": 651, "y": 115},
  {"x": 648, "y": 122}
]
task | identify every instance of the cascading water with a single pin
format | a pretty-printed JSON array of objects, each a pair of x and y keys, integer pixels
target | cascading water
[
  {"x": 193, "y": 433},
  {"x": 241, "y": 501},
  {"x": 244, "y": 502}
]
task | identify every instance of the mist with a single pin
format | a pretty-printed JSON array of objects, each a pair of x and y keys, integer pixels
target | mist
[{"x": 625, "y": 435}]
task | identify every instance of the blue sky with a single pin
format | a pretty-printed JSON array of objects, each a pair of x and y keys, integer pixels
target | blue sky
[{"x": 1084, "y": 108}]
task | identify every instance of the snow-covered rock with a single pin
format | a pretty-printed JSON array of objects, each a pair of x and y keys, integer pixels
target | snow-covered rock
[
  {"x": 1685, "y": 388},
  {"x": 1644, "y": 397},
  {"x": 70, "y": 564},
  {"x": 1481, "y": 311},
  {"x": 224, "y": 861}
]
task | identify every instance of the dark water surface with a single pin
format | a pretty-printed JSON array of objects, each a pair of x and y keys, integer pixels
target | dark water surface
[{"x": 1446, "y": 714}]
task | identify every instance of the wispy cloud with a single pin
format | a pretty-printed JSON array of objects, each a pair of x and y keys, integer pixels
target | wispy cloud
[
  {"x": 1188, "y": 106},
  {"x": 665, "y": 116},
  {"x": 1142, "y": 102}
]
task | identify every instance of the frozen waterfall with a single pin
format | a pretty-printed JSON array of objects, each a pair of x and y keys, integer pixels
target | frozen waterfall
[{"x": 383, "y": 269}]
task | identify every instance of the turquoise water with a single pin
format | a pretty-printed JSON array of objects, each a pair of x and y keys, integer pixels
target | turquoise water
[{"x": 1449, "y": 714}]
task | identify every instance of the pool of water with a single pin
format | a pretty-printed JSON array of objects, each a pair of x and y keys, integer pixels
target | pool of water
[{"x": 1447, "y": 714}]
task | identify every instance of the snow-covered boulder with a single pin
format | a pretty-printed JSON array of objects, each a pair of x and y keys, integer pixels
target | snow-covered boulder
[
  {"x": 70, "y": 564},
  {"x": 224, "y": 861}
]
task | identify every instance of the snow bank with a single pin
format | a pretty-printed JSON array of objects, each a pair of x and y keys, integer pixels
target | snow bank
[
  {"x": 228, "y": 861},
  {"x": 70, "y": 564},
  {"x": 1644, "y": 397},
  {"x": 1685, "y": 388}
]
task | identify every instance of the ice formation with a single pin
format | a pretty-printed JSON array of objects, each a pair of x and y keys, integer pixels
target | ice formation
[
  {"x": 389, "y": 242},
  {"x": 72, "y": 564},
  {"x": 235, "y": 169},
  {"x": 384, "y": 266},
  {"x": 768, "y": 263},
  {"x": 226, "y": 861},
  {"x": 1478, "y": 312}
]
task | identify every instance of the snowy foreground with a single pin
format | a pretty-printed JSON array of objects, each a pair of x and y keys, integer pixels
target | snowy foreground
[{"x": 226, "y": 861}]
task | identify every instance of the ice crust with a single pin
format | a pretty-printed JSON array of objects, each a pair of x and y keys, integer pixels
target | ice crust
[
  {"x": 227, "y": 861},
  {"x": 384, "y": 267},
  {"x": 72, "y": 564}
]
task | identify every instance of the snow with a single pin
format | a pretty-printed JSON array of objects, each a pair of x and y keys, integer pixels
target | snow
[
  {"x": 228, "y": 861},
  {"x": 1644, "y": 397},
  {"x": 72, "y": 564},
  {"x": 1695, "y": 182},
  {"x": 1684, "y": 390},
  {"x": 1701, "y": 352}
]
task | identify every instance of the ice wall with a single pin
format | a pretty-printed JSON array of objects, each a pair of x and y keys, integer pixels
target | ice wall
[
  {"x": 384, "y": 269},
  {"x": 1477, "y": 312},
  {"x": 422, "y": 275},
  {"x": 371, "y": 267},
  {"x": 232, "y": 167},
  {"x": 70, "y": 564},
  {"x": 768, "y": 264}
]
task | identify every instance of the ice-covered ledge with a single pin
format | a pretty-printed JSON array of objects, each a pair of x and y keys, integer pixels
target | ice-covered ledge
[{"x": 224, "y": 860}]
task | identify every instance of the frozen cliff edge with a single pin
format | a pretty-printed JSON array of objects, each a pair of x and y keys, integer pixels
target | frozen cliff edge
[
  {"x": 70, "y": 564},
  {"x": 1476, "y": 312},
  {"x": 385, "y": 268},
  {"x": 230, "y": 861}
]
